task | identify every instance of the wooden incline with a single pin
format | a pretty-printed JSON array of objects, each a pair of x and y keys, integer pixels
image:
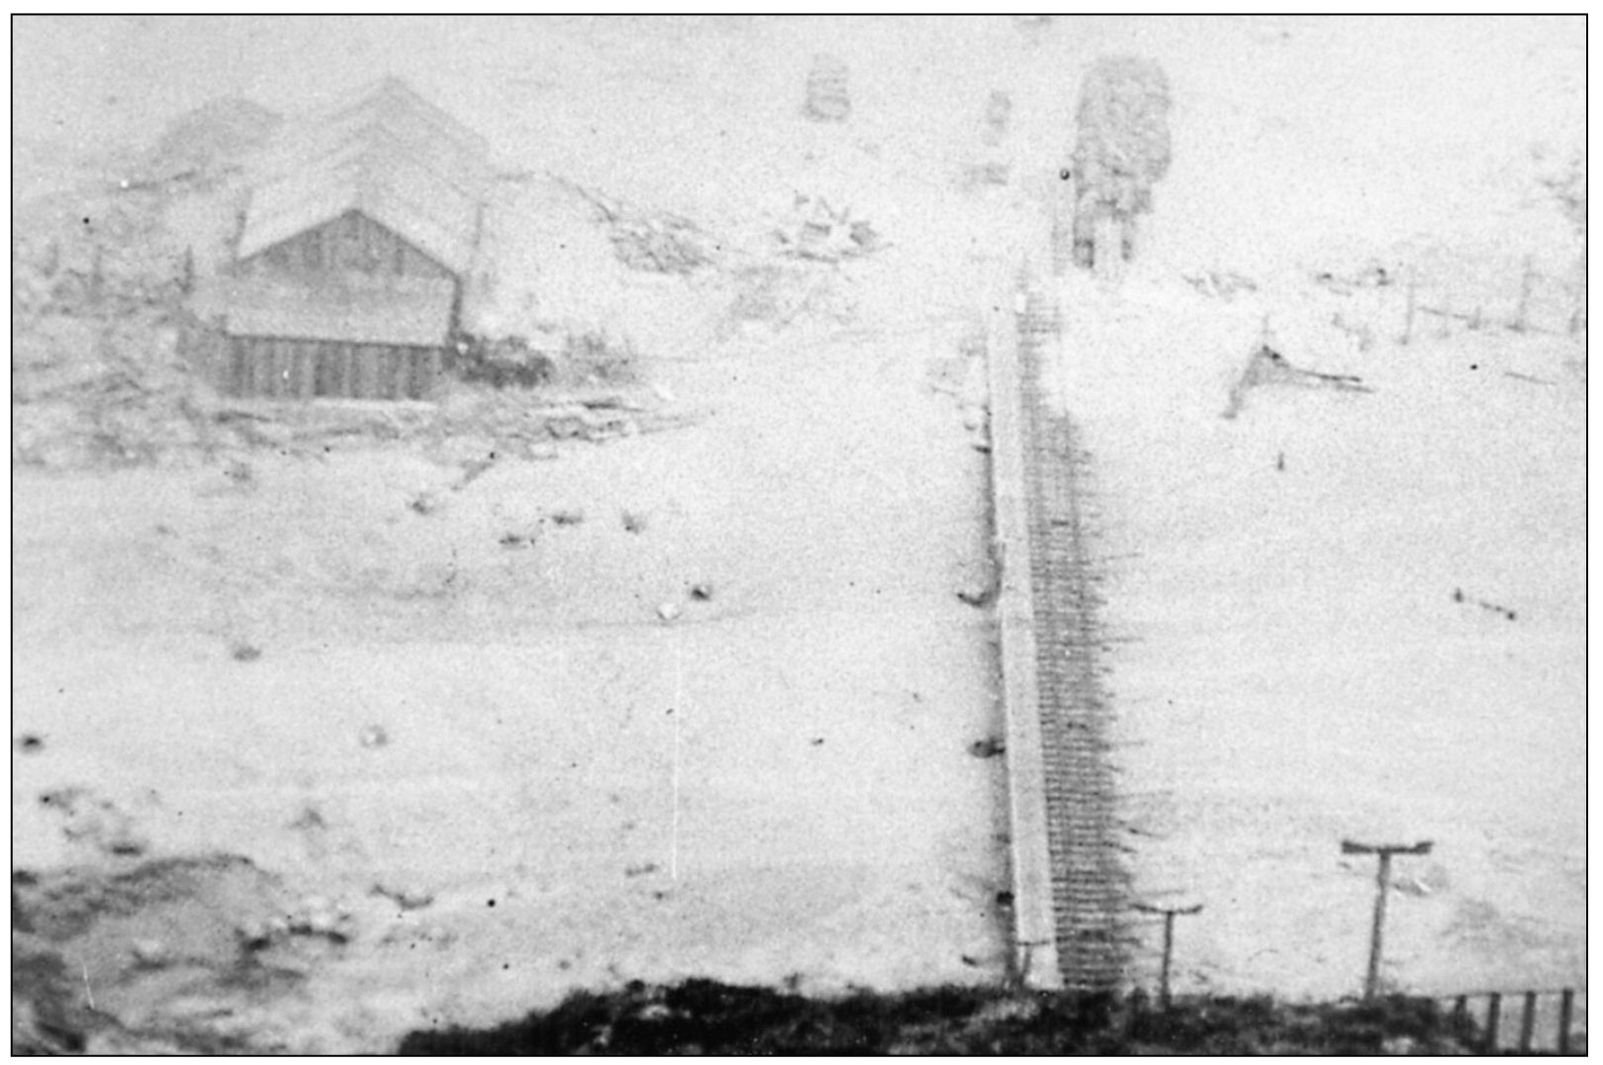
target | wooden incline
[{"x": 1070, "y": 889}]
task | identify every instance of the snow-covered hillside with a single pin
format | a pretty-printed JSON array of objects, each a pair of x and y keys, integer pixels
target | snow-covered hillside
[
  {"x": 477, "y": 707},
  {"x": 1351, "y": 614}
]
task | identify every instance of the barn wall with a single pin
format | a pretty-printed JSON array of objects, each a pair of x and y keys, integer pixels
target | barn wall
[
  {"x": 351, "y": 244},
  {"x": 290, "y": 368}
]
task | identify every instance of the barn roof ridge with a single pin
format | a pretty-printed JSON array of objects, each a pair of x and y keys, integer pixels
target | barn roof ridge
[
  {"x": 392, "y": 92},
  {"x": 449, "y": 245},
  {"x": 405, "y": 166},
  {"x": 303, "y": 145},
  {"x": 374, "y": 136},
  {"x": 370, "y": 158},
  {"x": 394, "y": 175}
]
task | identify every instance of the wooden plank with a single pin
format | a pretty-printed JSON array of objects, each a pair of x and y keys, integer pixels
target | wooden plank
[
  {"x": 1494, "y": 1016},
  {"x": 305, "y": 368},
  {"x": 261, "y": 367},
  {"x": 267, "y": 368},
  {"x": 1034, "y": 926},
  {"x": 431, "y": 374},
  {"x": 255, "y": 373},
  {"x": 236, "y": 380},
  {"x": 369, "y": 359},
  {"x": 386, "y": 372},
  {"x": 363, "y": 384},
  {"x": 384, "y": 386},
  {"x": 282, "y": 356},
  {"x": 353, "y": 379},
  {"x": 410, "y": 359},
  {"x": 412, "y": 372},
  {"x": 282, "y": 364},
  {"x": 1566, "y": 1016},
  {"x": 394, "y": 373},
  {"x": 322, "y": 369},
  {"x": 244, "y": 366},
  {"x": 348, "y": 371}
]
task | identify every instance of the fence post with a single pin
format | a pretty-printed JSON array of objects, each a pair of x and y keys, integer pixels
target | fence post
[
  {"x": 1566, "y": 1014},
  {"x": 1528, "y": 1022},
  {"x": 1494, "y": 1010}
]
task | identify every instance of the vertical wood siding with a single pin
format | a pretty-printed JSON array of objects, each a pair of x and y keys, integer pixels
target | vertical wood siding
[
  {"x": 350, "y": 244},
  {"x": 278, "y": 368}
]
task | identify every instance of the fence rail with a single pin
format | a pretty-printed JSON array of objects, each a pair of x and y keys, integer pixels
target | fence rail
[{"x": 1428, "y": 300}]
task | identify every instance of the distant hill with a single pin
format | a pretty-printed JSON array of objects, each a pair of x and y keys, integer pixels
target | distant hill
[{"x": 210, "y": 137}]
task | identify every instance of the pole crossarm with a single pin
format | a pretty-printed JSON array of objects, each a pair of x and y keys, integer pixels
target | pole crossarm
[
  {"x": 1349, "y": 847},
  {"x": 1178, "y": 911},
  {"x": 1169, "y": 914},
  {"x": 1384, "y": 852}
]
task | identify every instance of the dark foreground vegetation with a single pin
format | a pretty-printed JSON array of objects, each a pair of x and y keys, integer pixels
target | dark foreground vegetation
[{"x": 705, "y": 1017}]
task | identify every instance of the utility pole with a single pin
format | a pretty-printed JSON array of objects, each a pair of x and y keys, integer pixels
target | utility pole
[
  {"x": 1169, "y": 914},
  {"x": 1527, "y": 276},
  {"x": 1382, "y": 884}
]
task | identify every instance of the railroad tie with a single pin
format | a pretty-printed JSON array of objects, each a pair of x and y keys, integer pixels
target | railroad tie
[{"x": 1089, "y": 884}]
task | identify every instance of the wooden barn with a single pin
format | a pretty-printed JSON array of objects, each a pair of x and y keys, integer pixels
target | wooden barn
[{"x": 355, "y": 248}]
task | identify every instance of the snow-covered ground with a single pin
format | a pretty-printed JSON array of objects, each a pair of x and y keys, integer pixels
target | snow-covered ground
[
  {"x": 1310, "y": 659},
  {"x": 204, "y": 652},
  {"x": 1308, "y": 588}
]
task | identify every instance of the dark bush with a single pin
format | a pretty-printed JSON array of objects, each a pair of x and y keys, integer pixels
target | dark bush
[
  {"x": 703, "y": 1016},
  {"x": 508, "y": 362}
]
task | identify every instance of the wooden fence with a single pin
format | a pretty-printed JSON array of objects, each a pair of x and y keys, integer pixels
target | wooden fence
[
  {"x": 1440, "y": 296},
  {"x": 1550, "y": 1021},
  {"x": 1517, "y": 296}
]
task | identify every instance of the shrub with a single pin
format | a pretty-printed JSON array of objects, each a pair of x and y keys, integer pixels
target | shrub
[
  {"x": 507, "y": 362},
  {"x": 594, "y": 356}
]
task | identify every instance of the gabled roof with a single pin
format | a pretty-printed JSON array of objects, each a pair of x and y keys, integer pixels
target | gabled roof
[
  {"x": 381, "y": 180},
  {"x": 389, "y": 154},
  {"x": 305, "y": 142},
  {"x": 413, "y": 313},
  {"x": 393, "y": 100}
]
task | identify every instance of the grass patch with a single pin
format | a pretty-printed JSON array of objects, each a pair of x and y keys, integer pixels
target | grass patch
[{"x": 702, "y": 1016}]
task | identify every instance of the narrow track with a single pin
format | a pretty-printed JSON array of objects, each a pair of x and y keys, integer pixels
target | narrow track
[{"x": 1072, "y": 885}]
